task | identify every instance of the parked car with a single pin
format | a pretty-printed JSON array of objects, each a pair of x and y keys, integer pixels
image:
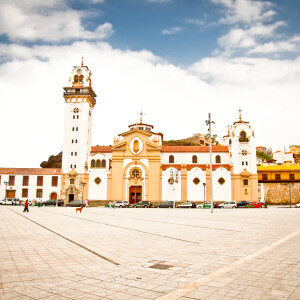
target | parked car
[
  {"x": 187, "y": 205},
  {"x": 207, "y": 205},
  {"x": 242, "y": 203},
  {"x": 297, "y": 205},
  {"x": 143, "y": 204},
  {"x": 76, "y": 203},
  {"x": 228, "y": 204},
  {"x": 254, "y": 205},
  {"x": 52, "y": 202},
  {"x": 166, "y": 204},
  {"x": 7, "y": 201},
  {"x": 122, "y": 204}
]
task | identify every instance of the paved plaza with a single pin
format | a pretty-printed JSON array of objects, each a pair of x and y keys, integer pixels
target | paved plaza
[{"x": 126, "y": 253}]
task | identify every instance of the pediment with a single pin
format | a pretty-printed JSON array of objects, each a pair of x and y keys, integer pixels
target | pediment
[
  {"x": 245, "y": 173},
  {"x": 153, "y": 146},
  {"x": 120, "y": 146},
  {"x": 134, "y": 131}
]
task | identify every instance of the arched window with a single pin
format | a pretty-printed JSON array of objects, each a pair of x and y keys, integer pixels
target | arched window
[
  {"x": 103, "y": 163},
  {"x": 171, "y": 159},
  {"x": 194, "y": 159},
  {"x": 93, "y": 163},
  {"x": 218, "y": 159},
  {"x": 80, "y": 78},
  {"x": 243, "y": 137},
  {"x": 76, "y": 78},
  {"x": 98, "y": 163}
]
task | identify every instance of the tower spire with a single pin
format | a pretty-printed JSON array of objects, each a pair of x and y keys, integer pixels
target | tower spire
[{"x": 240, "y": 114}]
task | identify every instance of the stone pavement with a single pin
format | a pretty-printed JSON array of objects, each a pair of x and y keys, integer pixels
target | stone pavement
[{"x": 102, "y": 253}]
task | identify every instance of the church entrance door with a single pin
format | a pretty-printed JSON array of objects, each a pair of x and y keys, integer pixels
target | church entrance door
[
  {"x": 135, "y": 194},
  {"x": 71, "y": 197}
]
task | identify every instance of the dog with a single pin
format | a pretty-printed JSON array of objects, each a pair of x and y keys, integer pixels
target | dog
[{"x": 79, "y": 209}]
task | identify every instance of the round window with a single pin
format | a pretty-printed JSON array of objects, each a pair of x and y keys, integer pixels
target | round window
[
  {"x": 171, "y": 180},
  {"x": 97, "y": 180},
  {"x": 221, "y": 180},
  {"x": 196, "y": 180}
]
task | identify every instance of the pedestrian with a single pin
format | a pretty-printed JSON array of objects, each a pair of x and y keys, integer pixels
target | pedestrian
[
  {"x": 86, "y": 203},
  {"x": 109, "y": 204},
  {"x": 114, "y": 204},
  {"x": 26, "y": 206}
]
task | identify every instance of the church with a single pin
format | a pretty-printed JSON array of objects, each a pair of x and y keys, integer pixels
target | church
[{"x": 138, "y": 165}]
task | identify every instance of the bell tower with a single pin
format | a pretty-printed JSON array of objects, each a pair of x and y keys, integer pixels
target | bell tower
[
  {"x": 80, "y": 100},
  {"x": 243, "y": 154}
]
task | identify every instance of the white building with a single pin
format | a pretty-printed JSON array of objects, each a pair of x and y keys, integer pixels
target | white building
[{"x": 138, "y": 165}]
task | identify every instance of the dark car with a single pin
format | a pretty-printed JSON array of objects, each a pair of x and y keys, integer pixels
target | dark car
[
  {"x": 242, "y": 204},
  {"x": 76, "y": 203},
  {"x": 166, "y": 204},
  {"x": 143, "y": 204},
  {"x": 52, "y": 202}
]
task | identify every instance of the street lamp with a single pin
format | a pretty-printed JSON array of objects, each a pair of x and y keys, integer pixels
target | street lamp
[
  {"x": 204, "y": 184},
  {"x": 209, "y": 122},
  {"x": 290, "y": 184},
  {"x": 174, "y": 179},
  {"x": 83, "y": 185},
  {"x": 6, "y": 184}
]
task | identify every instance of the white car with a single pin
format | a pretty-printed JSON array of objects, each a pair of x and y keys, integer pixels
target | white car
[
  {"x": 122, "y": 204},
  {"x": 228, "y": 204},
  {"x": 187, "y": 205},
  {"x": 297, "y": 205},
  {"x": 7, "y": 201}
]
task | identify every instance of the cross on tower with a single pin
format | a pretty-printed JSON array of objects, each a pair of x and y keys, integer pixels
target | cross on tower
[
  {"x": 240, "y": 114},
  {"x": 82, "y": 61},
  {"x": 141, "y": 114}
]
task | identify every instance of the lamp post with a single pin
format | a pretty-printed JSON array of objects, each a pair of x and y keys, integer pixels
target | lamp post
[
  {"x": 209, "y": 122},
  {"x": 6, "y": 184},
  {"x": 83, "y": 185},
  {"x": 290, "y": 184},
  {"x": 204, "y": 184}
]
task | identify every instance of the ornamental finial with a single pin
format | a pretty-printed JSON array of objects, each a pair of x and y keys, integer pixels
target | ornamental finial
[
  {"x": 82, "y": 61},
  {"x": 240, "y": 114}
]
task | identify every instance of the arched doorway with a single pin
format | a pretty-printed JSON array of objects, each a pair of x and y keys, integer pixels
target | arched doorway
[
  {"x": 135, "y": 194},
  {"x": 53, "y": 196}
]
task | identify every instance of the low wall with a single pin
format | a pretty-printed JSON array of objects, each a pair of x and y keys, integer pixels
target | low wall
[{"x": 278, "y": 193}]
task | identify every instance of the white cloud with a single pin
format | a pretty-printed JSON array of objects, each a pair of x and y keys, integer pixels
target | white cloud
[
  {"x": 175, "y": 99},
  {"x": 274, "y": 47},
  {"x": 159, "y": 1},
  {"x": 245, "y": 11},
  {"x": 172, "y": 30},
  {"x": 51, "y": 20},
  {"x": 195, "y": 21}
]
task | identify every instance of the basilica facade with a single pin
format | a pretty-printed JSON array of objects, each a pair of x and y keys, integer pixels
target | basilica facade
[{"x": 138, "y": 165}]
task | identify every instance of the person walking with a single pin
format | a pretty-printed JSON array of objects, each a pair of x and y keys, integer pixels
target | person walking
[
  {"x": 26, "y": 206},
  {"x": 86, "y": 203}
]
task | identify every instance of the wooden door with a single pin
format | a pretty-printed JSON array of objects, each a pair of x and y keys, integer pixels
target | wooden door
[
  {"x": 10, "y": 194},
  {"x": 135, "y": 194},
  {"x": 53, "y": 196}
]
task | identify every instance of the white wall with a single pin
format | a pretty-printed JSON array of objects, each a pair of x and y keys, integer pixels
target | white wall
[
  {"x": 195, "y": 192},
  {"x": 32, "y": 187},
  {"x": 221, "y": 192},
  {"x": 171, "y": 192},
  {"x": 186, "y": 158},
  {"x": 282, "y": 157}
]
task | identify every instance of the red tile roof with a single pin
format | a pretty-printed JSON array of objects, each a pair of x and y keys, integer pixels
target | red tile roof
[
  {"x": 191, "y": 166},
  {"x": 30, "y": 171},
  {"x": 194, "y": 149},
  {"x": 102, "y": 149}
]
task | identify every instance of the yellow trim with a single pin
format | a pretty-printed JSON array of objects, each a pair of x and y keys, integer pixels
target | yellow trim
[{"x": 287, "y": 167}]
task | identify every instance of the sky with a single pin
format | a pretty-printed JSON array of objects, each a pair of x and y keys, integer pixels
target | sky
[{"x": 177, "y": 60}]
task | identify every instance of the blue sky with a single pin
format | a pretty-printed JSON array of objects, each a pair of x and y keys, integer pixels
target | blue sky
[{"x": 175, "y": 59}]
